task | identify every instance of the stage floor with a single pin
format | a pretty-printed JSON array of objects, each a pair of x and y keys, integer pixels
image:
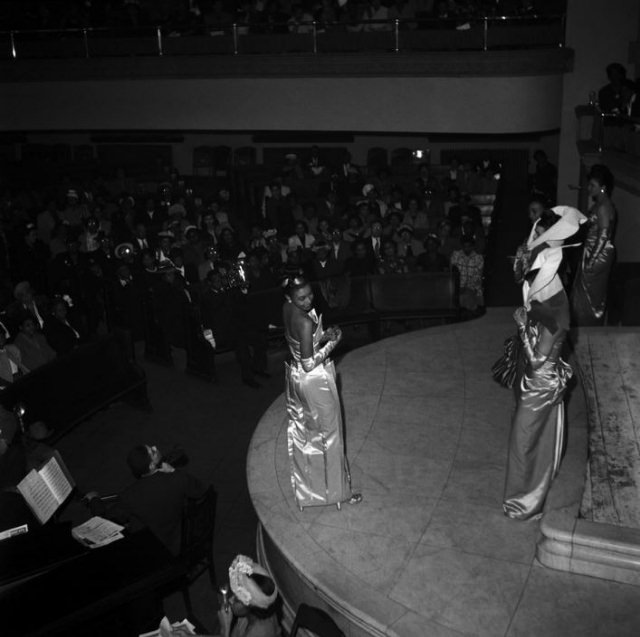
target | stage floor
[{"x": 428, "y": 551}]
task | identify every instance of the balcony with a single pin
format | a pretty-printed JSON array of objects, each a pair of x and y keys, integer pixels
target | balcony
[{"x": 480, "y": 46}]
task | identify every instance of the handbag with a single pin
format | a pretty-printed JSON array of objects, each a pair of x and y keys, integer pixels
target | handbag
[{"x": 505, "y": 369}]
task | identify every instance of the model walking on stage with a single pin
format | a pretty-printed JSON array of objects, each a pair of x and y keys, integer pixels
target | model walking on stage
[
  {"x": 589, "y": 292},
  {"x": 319, "y": 467},
  {"x": 537, "y": 429}
]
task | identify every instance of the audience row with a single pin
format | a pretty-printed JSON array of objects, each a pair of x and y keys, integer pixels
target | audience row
[{"x": 260, "y": 16}]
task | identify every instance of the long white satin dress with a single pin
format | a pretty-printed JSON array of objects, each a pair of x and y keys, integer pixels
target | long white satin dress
[{"x": 315, "y": 434}]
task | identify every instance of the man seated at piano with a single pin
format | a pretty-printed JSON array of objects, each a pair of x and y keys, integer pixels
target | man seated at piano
[{"x": 154, "y": 500}]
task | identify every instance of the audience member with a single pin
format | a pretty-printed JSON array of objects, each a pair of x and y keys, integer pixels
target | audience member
[
  {"x": 355, "y": 228},
  {"x": 544, "y": 182},
  {"x": 61, "y": 335},
  {"x": 224, "y": 312},
  {"x": 408, "y": 246},
  {"x": 361, "y": 263},
  {"x": 315, "y": 165},
  {"x": 431, "y": 260},
  {"x": 415, "y": 217},
  {"x": 389, "y": 261},
  {"x": 25, "y": 304},
  {"x": 374, "y": 239},
  {"x": 340, "y": 247},
  {"x": 463, "y": 210},
  {"x": 11, "y": 366},
  {"x": 376, "y": 17},
  {"x": 34, "y": 349},
  {"x": 470, "y": 267},
  {"x": 29, "y": 260},
  {"x": 252, "y": 605},
  {"x": 448, "y": 243},
  {"x": 610, "y": 95},
  {"x": 302, "y": 238}
]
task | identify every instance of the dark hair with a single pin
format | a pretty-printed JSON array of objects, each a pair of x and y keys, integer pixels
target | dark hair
[
  {"x": 547, "y": 219},
  {"x": 301, "y": 222},
  {"x": 601, "y": 174},
  {"x": 616, "y": 66},
  {"x": 540, "y": 200},
  {"x": 27, "y": 316},
  {"x": 139, "y": 461},
  {"x": 431, "y": 237},
  {"x": 467, "y": 238},
  {"x": 291, "y": 284}
]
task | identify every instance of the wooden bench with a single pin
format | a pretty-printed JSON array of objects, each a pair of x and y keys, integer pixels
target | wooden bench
[
  {"x": 376, "y": 298},
  {"x": 369, "y": 300}
]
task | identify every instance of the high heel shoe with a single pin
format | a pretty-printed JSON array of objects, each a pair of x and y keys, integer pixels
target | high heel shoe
[{"x": 355, "y": 498}]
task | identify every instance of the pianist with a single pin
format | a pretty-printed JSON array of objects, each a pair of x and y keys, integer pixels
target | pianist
[{"x": 155, "y": 499}]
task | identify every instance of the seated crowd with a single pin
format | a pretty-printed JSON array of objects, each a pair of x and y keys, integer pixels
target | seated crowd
[
  {"x": 215, "y": 17},
  {"x": 80, "y": 264}
]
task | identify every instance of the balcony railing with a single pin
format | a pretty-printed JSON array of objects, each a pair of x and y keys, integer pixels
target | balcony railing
[
  {"x": 488, "y": 33},
  {"x": 598, "y": 132}
]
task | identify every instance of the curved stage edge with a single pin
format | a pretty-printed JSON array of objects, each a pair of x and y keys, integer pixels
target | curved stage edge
[{"x": 428, "y": 551}]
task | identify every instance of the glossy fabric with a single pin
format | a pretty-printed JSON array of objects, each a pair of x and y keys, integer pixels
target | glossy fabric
[
  {"x": 589, "y": 293},
  {"x": 537, "y": 433},
  {"x": 319, "y": 469}
]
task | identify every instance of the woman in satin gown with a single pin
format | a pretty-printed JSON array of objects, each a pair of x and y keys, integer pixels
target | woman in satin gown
[
  {"x": 537, "y": 428},
  {"x": 589, "y": 292},
  {"x": 319, "y": 468}
]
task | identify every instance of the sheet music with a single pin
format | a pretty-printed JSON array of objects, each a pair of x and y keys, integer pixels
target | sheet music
[
  {"x": 56, "y": 480},
  {"x": 38, "y": 496},
  {"x": 98, "y": 532}
]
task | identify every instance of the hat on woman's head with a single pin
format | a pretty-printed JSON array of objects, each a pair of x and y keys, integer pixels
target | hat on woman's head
[
  {"x": 547, "y": 259},
  {"x": 568, "y": 224},
  {"x": 244, "y": 587},
  {"x": 367, "y": 188}
]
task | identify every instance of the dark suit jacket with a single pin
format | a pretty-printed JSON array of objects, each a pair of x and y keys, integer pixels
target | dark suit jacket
[
  {"x": 331, "y": 268},
  {"x": 156, "y": 502},
  {"x": 219, "y": 314},
  {"x": 153, "y": 225},
  {"x": 344, "y": 251},
  {"x": 609, "y": 99}
]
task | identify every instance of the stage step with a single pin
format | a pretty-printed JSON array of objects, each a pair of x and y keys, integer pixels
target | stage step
[{"x": 604, "y": 541}]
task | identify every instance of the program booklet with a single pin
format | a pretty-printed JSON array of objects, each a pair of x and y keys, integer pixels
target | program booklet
[{"x": 46, "y": 488}]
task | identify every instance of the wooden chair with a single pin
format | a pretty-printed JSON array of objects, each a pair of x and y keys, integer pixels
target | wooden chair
[
  {"x": 315, "y": 620},
  {"x": 196, "y": 548}
]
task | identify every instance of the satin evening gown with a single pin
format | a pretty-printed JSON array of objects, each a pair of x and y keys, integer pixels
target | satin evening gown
[
  {"x": 319, "y": 468},
  {"x": 537, "y": 433},
  {"x": 589, "y": 292}
]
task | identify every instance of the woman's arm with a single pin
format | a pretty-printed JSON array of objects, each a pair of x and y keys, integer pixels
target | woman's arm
[
  {"x": 604, "y": 233},
  {"x": 309, "y": 359},
  {"x": 538, "y": 354}
]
